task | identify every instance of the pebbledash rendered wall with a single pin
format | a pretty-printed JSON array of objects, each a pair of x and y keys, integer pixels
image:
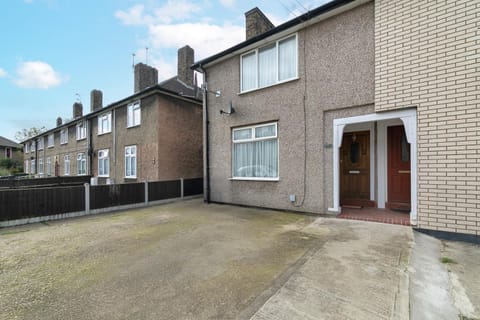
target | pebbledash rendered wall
[
  {"x": 335, "y": 77},
  {"x": 427, "y": 54}
]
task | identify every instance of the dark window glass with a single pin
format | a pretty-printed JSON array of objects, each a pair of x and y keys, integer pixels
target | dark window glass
[
  {"x": 405, "y": 148},
  {"x": 354, "y": 152}
]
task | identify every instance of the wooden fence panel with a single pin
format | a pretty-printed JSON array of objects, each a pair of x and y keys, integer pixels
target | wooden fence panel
[
  {"x": 192, "y": 186},
  {"x": 116, "y": 195},
  {"x": 161, "y": 190},
  {"x": 28, "y": 203}
]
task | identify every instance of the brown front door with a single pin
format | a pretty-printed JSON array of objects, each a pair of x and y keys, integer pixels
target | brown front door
[
  {"x": 355, "y": 169},
  {"x": 398, "y": 169}
]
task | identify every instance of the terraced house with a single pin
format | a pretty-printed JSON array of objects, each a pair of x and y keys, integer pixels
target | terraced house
[
  {"x": 354, "y": 104},
  {"x": 154, "y": 134}
]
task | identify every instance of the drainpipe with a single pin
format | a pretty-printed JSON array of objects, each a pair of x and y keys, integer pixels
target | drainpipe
[
  {"x": 114, "y": 153},
  {"x": 206, "y": 157},
  {"x": 88, "y": 123}
]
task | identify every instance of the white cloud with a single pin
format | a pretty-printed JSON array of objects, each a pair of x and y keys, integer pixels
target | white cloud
[
  {"x": 133, "y": 16},
  {"x": 206, "y": 39},
  {"x": 173, "y": 10},
  {"x": 227, "y": 3},
  {"x": 3, "y": 73},
  {"x": 37, "y": 74}
]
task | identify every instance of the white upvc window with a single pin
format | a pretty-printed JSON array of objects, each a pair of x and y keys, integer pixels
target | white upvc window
[
  {"x": 103, "y": 163},
  {"x": 66, "y": 165},
  {"x": 26, "y": 148},
  {"x": 81, "y": 164},
  {"x": 32, "y": 146},
  {"x": 255, "y": 152},
  {"x": 40, "y": 143},
  {"x": 51, "y": 140},
  {"x": 26, "y": 167},
  {"x": 81, "y": 130},
  {"x": 33, "y": 168},
  {"x": 40, "y": 166},
  {"x": 270, "y": 64},
  {"x": 105, "y": 123},
  {"x": 49, "y": 166},
  {"x": 131, "y": 162},
  {"x": 133, "y": 114},
  {"x": 64, "y": 136}
]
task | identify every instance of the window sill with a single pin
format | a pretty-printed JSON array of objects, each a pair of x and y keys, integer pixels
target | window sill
[
  {"x": 63, "y": 143},
  {"x": 269, "y": 86},
  {"x": 81, "y": 139},
  {"x": 104, "y": 176},
  {"x": 50, "y": 147},
  {"x": 254, "y": 179},
  {"x": 134, "y": 126},
  {"x": 103, "y": 133}
]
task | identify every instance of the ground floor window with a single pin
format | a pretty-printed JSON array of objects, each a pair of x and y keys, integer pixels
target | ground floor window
[
  {"x": 40, "y": 166},
  {"x": 81, "y": 164},
  {"x": 33, "y": 167},
  {"x": 103, "y": 163},
  {"x": 255, "y": 152},
  {"x": 66, "y": 165},
  {"x": 26, "y": 166},
  {"x": 49, "y": 166},
  {"x": 131, "y": 162}
]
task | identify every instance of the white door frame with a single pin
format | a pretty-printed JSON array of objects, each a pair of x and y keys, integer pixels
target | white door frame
[{"x": 409, "y": 119}]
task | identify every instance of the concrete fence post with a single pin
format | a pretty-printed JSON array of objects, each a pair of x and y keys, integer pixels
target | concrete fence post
[
  {"x": 87, "y": 198},
  {"x": 181, "y": 188},
  {"x": 146, "y": 192}
]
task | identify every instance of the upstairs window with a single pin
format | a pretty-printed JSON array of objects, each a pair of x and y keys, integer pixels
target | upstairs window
[
  {"x": 26, "y": 148},
  {"x": 40, "y": 143},
  {"x": 51, "y": 140},
  {"x": 268, "y": 65},
  {"x": 32, "y": 146},
  {"x": 81, "y": 130},
  {"x": 64, "y": 136},
  {"x": 133, "y": 114},
  {"x": 105, "y": 123}
]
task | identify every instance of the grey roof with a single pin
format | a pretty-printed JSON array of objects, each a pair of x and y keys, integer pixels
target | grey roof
[
  {"x": 4, "y": 142},
  {"x": 176, "y": 85}
]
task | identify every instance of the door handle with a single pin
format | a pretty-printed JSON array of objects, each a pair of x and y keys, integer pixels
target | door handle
[{"x": 403, "y": 171}]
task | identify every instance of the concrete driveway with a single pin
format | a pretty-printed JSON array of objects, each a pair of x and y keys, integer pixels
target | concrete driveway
[{"x": 188, "y": 260}]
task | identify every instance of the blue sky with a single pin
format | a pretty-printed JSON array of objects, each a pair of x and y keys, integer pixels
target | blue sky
[{"x": 52, "y": 50}]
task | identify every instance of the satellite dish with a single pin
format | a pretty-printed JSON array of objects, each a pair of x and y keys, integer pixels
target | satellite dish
[{"x": 230, "y": 109}]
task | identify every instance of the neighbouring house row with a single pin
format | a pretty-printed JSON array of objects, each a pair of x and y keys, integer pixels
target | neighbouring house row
[
  {"x": 356, "y": 103},
  {"x": 10, "y": 150},
  {"x": 154, "y": 134}
]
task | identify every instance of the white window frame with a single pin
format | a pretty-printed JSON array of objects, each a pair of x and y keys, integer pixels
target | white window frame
[
  {"x": 105, "y": 117},
  {"x": 32, "y": 146},
  {"x": 41, "y": 142},
  {"x": 134, "y": 114},
  {"x": 277, "y": 64},
  {"x": 103, "y": 157},
  {"x": 66, "y": 164},
  {"x": 49, "y": 166},
  {"x": 64, "y": 136},
  {"x": 33, "y": 169},
  {"x": 40, "y": 166},
  {"x": 26, "y": 147},
  {"x": 81, "y": 129},
  {"x": 51, "y": 140},
  {"x": 128, "y": 157},
  {"x": 81, "y": 157},
  {"x": 26, "y": 167},
  {"x": 253, "y": 139}
]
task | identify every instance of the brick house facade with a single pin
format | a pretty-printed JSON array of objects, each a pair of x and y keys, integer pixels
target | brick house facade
[{"x": 154, "y": 134}]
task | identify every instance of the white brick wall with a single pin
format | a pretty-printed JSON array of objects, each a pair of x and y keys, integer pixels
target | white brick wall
[{"x": 427, "y": 54}]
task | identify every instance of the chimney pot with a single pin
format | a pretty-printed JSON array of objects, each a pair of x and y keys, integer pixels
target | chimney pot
[
  {"x": 96, "y": 100},
  {"x": 145, "y": 76},
  {"x": 256, "y": 23},
  {"x": 59, "y": 121},
  {"x": 77, "y": 110},
  {"x": 185, "y": 60}
]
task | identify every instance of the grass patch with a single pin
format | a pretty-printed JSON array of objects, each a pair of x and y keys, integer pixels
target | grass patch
[{"x": 447, "y": 260}]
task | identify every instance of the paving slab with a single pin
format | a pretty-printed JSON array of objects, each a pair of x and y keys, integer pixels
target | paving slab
[{"x": 359, "y": 273}]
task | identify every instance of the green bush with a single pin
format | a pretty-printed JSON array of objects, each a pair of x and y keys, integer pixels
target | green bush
[{"x": 6, "y": 163}]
